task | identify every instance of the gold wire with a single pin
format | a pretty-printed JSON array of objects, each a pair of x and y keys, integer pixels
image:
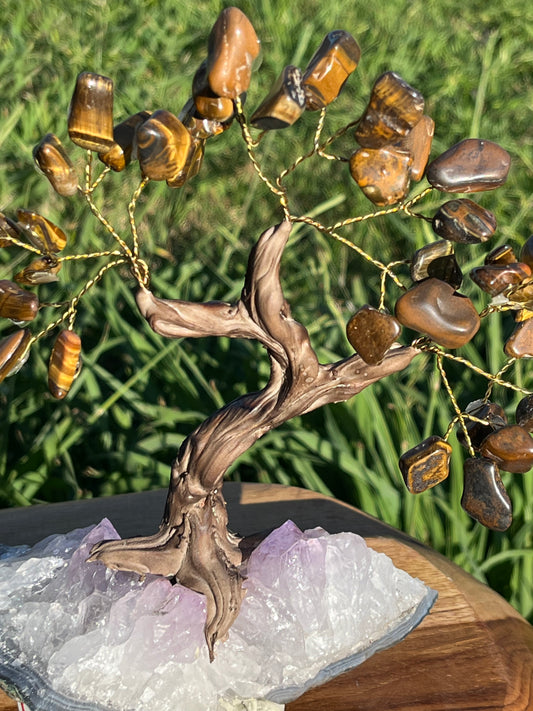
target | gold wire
[
  {"x": 99, "y": 179},
  {"x": 131, "y": 213},
  {"x": 498, "y": 376},
  {"x": 90, "y": 255},
  {"x": 458, "y": 413},
  {"x": 18, "y": 243}
]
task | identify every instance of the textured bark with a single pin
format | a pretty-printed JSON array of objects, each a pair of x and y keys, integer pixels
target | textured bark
[{"x": 193, "y": 544}]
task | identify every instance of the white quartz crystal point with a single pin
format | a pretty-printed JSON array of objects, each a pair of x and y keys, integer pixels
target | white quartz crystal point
[{"x": 76, "y": 636}]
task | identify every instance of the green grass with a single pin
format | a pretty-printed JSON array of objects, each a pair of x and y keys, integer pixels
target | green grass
[{"x": 139, "y": 395}]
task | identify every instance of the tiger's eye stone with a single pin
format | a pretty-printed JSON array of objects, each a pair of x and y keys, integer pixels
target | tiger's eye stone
[
  {"x": 14, "y": 351},
  {"x": 393, "y": 110},
  {"x": 526, "y": 253},
  {"x": 523, "y": 314},
  {"x": 426, "y": 465},
  {"x": 9, "y": 231},
  {"x": 434, "y": 308},
  {"x": 232, "y": 48},
  {"x": 470, "y": 166},
  {"x": 491, "y": 412},
  {"x": 192, "y": 164},
  {"x": 40, "y": 271},
  {"x": 423, "y": 257},
  {"x": 16, "y": 303},
  {"x": 43, "y": 233},
  {"x": 520, "y": 342},
  {"x": 52, "y": 159},
  {"x": 329, "y": 68},
  {"x": 464, "y": 221},
  {"x": 523, "y": 294},
  {"x": 163, "y": 145},
  {"x": 284, "y": 104},
  {"x": 207, "y": 103},
  {"x": 446, "y": 269},
  {"x": 495, "y": 278},
  {"x": 418, "y": 144},
  {"x": 90, "y": 117},
  {"x": 371, "y": 333},
  {"x": 501, "y": 255},
  {"x": 198, "y": 126},
  {"x": 121, "y": 153},
  {"x": 511, "y": 447},
  {"x": 524, "y": 413},
  {"x": 381, "y": 173},
  {"x": 484, "y": 496},
  {"x": 64, "y": 363}
]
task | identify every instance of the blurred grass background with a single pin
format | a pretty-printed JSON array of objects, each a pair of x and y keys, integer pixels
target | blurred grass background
[{"x": 139, "y": 395}]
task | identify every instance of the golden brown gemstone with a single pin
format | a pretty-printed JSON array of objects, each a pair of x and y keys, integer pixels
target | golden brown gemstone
[
  {"x": 90, "y": 118},
  {"x": 393, "y": 110},
  {"x": 52, "y": 159},
  {"x": 16, "y": 303},
  {"x": 446, "y": 269},
  {"x": 232, "y": 48},
  {"x": 14, "y": 351},
  {"x": 10, "y": 231},
  {"x": 121, "y": 153},
  {"x": 511, "y": 447},
  {"x": 470, "y": 166},
  {"x": 524, "y": 413},
  {"x": 371, "y": 333},
  {"x": 198, "y": 126},
  {"x": 329, "y": 68},
  {"x": 41, "y": 271},
  {"x": 423, "y": 257},
  {"x": 523, "y": 315},
  {"x": 163, "y": 145},
  {"x": 501, "y": 255},
  {"x": 192, "y": 164},
  {"x": 284, "y": 104},
  {"x": 520, "y": 342},
  {"x": 526, "y": 253},
  {"x": 523, "y": 294},
  {"x": 464, "y": 221},
  {"x": 426, "y": 465},
  {"x": 433, "y": 307},
  {"x": 495, "y": 278},
  {"x": 381, "y": 173},
  {"x": 418, "y": 143},
  {"x": 492, "y": 413},
  {"x": 207, "y": 103},
  {"x": 42, "y": 233},
  {"x": 64, "y": 363},
  {"x": 484, "y": 496}
]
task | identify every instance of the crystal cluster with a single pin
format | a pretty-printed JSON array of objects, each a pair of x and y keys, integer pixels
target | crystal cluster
[{"x": 75, "y": 633}]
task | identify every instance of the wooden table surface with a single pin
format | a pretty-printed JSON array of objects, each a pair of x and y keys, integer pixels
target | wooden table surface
[{"x": 472, "y": 652}]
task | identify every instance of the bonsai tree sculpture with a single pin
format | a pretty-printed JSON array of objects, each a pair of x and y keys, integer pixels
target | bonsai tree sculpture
[{"x": 193, "y": 544}]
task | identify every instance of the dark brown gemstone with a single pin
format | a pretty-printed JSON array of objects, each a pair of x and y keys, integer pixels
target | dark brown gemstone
[
  {"x": 41, "y": 271},
  {"x": 433, "y": 307},
  {"x": 90, "y": 118},
  {"x": 163, "y": 145},
  {"x": 42, "y": 233},
  {"x": 208, "y": 104},
  {"x": 470, "y": 166},
  {"x": 121, "y": 153},
  {"x": 492, "y": 413},
  {"x": 418, "y": 143},
  {"x": 484, "y": 496},
  {"x": 423, "y": 257},
  {"x": 511, "y": 447},
  {"x": 501, "y": 255},
  {"x": 16, "y": 303},
  {"x": 232, "y": 48},
  {"x": 64, "y": 363},
  {"x": 371, "y": 333},
  {"x": 464, "y": 221},
  {"x": 192, "y": 164},
  {"x": 9, "y": 231},
  {"x": 426, "y": 465},
  {"x": 446, "y": 269},
  {"x": 329, "y": 68},
  {"x": 520, "y": 342},
  {"x": 524, "y": 413},
  {"x": 284, "y": 104},
  {"x": 495, "y": 278},
  {"x": 52, "y": 159},
  {"x": 381, "y": 173},
  {"x": 393, "y": 110},
  {"x": 198, "y": 126},
  {"x": 14, "y": 351},
  {"x": 526, "y": 253}
]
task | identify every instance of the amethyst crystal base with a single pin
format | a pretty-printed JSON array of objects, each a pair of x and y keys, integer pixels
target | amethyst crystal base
[{"x": 75, "y": 635}]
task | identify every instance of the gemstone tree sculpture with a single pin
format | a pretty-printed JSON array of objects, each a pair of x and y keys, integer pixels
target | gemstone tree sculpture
[{"x": 193, "y": 544}]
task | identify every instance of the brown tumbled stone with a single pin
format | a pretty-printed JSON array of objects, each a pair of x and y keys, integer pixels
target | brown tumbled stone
[
  {"x": 423, "y": 257},
  {"x": 371, "y": 333},
  {"x": 208, "y": 104},
  {"x": 434, "y": 308},
  {"x": 511, "y": 447},
  {"x": 446, "y": 269},
  {"x": 120, "y": 154},
  {"x": 464, "y": 221},
  {"x": 393, "y": 110},
  {"x": 526, "y": 253},
  {"x": 524, "y": 413},
  {"x": 163, "y": 145},
  {"x": 523, "y": 293},
  {"x": 40, "y": 271},
  {"x": 16, "y": 303},
  {"x": 523, "y": 314},
  {"x": 495, "y": 278},
  {"x": 42, "y": 233},
  {"x": 9, "y": 231},
  {"x": 284, "y": 104},
  {"x": 501, "y": 255},
  {"x": 198, "y": 126},
  {"x": 90, "y": 117},
  {"x": 192, "y": 164},
  {"x": 52, "y": 159},
  {"x": 329, "y": 68},
  {"x": 520, "y": 342},
  {"x": 14, "y": 350},
  {"x": 381, "y": 173},
  {"x": 64, "y": 364},
  {"x": 232, "y": 48},
  {"x": 484, "y": 496},
  {"x": 470, "y": 166},
  {"x": 491, "y": 412},
  {"x": 426, "y": 465},
  {"x": 418, "y": 143}
]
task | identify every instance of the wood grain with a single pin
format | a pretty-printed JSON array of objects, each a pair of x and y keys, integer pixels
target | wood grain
[{"x": 474, "y": 652}]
